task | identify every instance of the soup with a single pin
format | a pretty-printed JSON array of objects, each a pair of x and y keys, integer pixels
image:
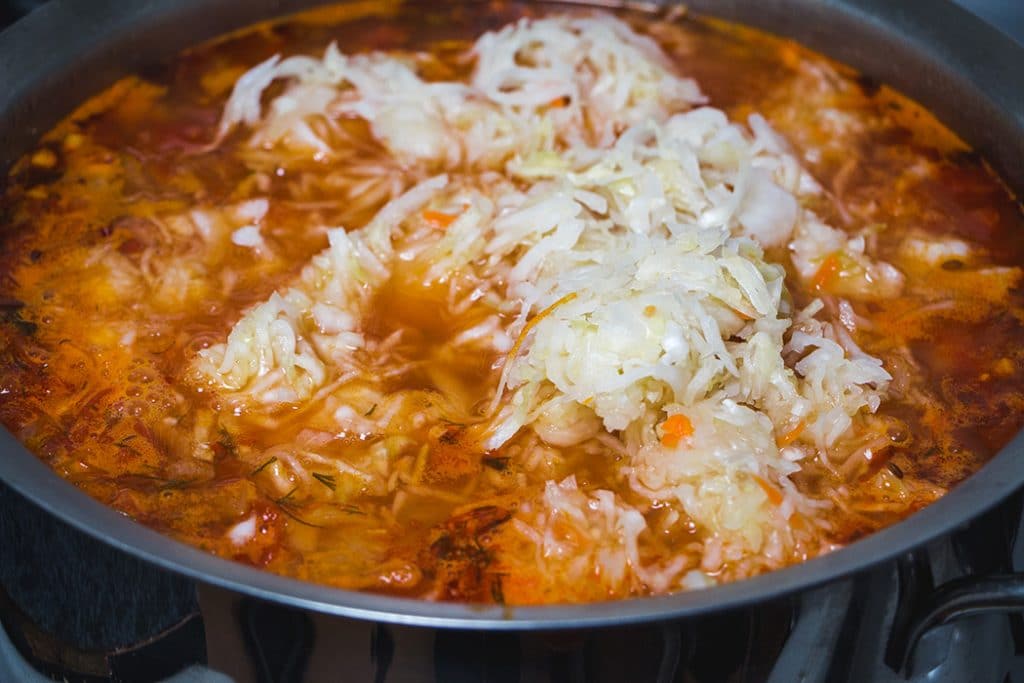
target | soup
[{"x": 509, "y": 303}]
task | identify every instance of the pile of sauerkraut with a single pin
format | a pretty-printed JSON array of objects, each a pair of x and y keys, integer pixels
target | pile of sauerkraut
[{"x": 619, "y": 226}]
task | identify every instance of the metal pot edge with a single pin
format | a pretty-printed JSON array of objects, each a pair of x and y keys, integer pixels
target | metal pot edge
[{"x": 111, "y": 29}]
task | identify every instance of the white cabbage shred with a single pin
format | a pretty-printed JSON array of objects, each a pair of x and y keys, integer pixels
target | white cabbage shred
[
  {"x": 628, "y": 230},
  {"x": 532, "y": 83},
  {"x": 282, "y": 349}
]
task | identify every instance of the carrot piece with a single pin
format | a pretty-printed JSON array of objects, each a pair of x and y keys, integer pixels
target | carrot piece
[
  {"x": 559, "y": 102},
  {"x": 675, "y": 429},
  {"x": 741, "y": 314},
  {"x": 790, "y": 55},
  {"x": 828, "y": 270},
  {"x": 533, "y": 323},
  {"x": 774, "y": 497},
  {"x": 439, "y": 219},
  {"x": 792, "y": 435}
]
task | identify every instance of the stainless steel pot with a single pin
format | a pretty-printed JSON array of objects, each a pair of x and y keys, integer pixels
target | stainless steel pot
[{"x": 965, "y": 71}]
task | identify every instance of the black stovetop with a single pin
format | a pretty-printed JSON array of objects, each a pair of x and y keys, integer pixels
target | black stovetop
[{"x": 81, "y": 612}]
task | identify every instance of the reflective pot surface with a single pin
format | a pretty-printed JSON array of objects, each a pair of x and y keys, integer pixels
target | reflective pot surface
[{"x": 962, "y": 69}]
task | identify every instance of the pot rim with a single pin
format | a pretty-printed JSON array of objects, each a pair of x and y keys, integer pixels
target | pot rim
[{"x": 25, "y": 473}]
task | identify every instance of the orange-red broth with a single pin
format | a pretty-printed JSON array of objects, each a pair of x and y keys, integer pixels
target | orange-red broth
[{"x": 88, "y": 202}]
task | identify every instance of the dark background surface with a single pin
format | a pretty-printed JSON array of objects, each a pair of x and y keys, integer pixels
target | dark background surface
[
  {"x": 1008, "y": 15},
  {"x": 12, "y": 9}
]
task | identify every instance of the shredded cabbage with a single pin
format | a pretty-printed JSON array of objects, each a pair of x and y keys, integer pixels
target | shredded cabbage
[
  {"x": 627, "y": 232},
  {"x": 529, "y": 90}
]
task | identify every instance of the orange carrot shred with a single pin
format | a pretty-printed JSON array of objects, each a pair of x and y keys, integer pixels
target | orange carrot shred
[
  {"x": 790, "y": 55},
  {"x": 559, "y": 102},
  {"x": 439, "y": 219},
  {"x": 828, "y": 270},
  {"x": 533, "y": 323},
  {"x": 742, "y": 314},
  {"x": 774, "y": 497},
  {"x": 675, "y": 429},
  {"x": 792, "y": 435}
]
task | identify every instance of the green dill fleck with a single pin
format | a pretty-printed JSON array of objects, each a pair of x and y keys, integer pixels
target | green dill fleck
[
  {"x": 162, "y": 483},
  {"x": 175, "y": 484},
  {"x": 326, "y": 479},
  {"x": 298, "y": 519},
  {"x": 269, "y": 461},
  {"x": 352, "y": 510},
  {"x": 287, "y": 499},
  {"x": 125, "y": 444},
  {"x": 369, "y": 412},
  {"x": 287, "y": 504}
]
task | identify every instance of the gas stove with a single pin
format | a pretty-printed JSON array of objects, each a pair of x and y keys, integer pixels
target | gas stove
[{"x": 73, "y": 609}]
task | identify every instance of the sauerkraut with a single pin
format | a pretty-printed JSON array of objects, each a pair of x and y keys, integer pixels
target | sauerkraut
[
  {"x": 626, "y": 231},
  {"x": 509, "y": 305}
]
